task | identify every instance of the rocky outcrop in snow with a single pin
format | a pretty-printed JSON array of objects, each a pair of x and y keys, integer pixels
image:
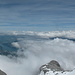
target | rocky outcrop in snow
[
  {"x": 52, "y": 68},
  {"x": 2, "y": 73}
]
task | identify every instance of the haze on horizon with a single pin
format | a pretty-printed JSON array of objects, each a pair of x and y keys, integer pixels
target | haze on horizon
[{"x": 37, "y": 15}]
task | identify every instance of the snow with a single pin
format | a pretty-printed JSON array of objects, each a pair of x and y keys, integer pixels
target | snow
[{"x": 58, "y": 73}]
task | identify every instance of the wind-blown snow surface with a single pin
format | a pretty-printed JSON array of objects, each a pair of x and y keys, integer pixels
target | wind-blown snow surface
[
  {"x": 58, "y": 73},
  {"x": 38, "y": 48}
]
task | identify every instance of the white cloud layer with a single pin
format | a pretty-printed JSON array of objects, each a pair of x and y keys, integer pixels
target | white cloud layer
[{"x": 38, "y": 52}]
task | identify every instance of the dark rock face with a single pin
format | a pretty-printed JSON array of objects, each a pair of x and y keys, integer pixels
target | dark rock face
[
  {"x": 2, "y": 73},
  {"x": 52, "y": 65}
]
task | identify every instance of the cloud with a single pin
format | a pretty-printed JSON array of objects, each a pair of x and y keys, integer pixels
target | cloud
[
  {"x": 39, "y": 12},
  {"x": 40, "y": 51}
]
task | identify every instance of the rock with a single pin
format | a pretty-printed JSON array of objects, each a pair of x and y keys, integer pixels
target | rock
[
  {"x": 52, "y": 68},
  {"x": 52, "y": 65},
  {"x": 2, "y": 73}
]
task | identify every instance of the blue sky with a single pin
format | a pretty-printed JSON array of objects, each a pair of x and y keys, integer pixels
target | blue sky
[{"x": 37, "y": 15}]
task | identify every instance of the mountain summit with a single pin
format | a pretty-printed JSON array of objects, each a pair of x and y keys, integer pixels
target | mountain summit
[{"x": 53, "y": 68}]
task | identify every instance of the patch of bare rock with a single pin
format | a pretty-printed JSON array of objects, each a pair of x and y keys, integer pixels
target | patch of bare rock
[
  {"x": 52, "y": 68},
  {"x": 2, "y": 73}
]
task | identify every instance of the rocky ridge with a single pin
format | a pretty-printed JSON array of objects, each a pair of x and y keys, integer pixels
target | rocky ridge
[
  {"x": 53, "y": 68},
  {"x": 2, "y": 73}
]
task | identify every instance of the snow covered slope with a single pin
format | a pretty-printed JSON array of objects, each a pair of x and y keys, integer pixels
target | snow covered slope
[
  {"x": 58, "y": 73},
  {"x": 54, "y": 68}
]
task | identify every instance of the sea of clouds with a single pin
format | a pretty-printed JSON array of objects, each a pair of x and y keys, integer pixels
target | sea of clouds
[{"x": 34, "y": 53}]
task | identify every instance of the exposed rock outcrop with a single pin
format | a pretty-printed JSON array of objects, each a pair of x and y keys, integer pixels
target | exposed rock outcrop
[
  {"x": 2, "y": 73},
  {"x": 52, "y": 67}
]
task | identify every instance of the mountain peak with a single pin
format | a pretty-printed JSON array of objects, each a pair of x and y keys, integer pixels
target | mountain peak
[{"x": 52, "y": 68}]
